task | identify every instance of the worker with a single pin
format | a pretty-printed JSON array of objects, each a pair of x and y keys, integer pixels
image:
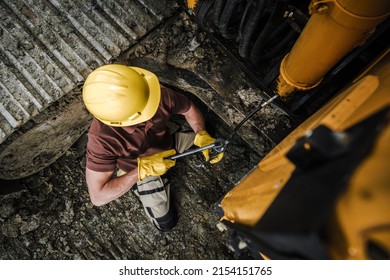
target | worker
[{"x": 129, "y": 141}]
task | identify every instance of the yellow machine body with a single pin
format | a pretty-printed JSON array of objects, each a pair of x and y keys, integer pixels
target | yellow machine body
[{"x": 362, "y": 212}]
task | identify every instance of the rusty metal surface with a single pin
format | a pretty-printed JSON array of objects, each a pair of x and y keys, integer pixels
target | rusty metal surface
[{"x": 48, "y": 47}]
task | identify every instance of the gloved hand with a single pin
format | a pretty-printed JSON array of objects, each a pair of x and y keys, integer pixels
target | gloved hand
[
  {"x": 155, "y": 165},
  {"x": 202, "y": 138}
]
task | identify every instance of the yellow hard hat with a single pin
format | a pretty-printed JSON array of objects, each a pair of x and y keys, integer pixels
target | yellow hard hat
[{"x": 120, "y": 95}]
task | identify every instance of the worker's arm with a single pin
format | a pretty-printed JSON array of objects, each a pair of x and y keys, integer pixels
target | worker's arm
[
  {"x": 195, "y": 118},
  {"x": 103, "y": 188}
]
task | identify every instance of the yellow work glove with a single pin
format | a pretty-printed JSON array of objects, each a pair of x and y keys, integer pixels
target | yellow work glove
[
  {"x": 202, "y": 138},
  {"x": 155, "y": 165}
]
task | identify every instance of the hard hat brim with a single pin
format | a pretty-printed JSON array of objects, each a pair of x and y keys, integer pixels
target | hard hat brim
[{"x": 151, "y": 106}]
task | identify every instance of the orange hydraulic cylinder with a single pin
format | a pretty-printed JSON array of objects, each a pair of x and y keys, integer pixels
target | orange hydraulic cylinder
[{"x": 334, "y": 28}]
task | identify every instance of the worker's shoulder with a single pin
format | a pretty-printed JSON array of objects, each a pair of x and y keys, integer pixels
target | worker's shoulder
[
  {"x": 98, "y": 128},
  {"x": 167, "y": 92}
]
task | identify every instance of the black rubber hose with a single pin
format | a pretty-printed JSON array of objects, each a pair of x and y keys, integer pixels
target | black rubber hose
[
  {"x": 250, "y": 28},
  {"x": 278, "y": 33},
  {"x": 278, "y": 48},
  {"x": 245, "y": 16},
  {"x": 272, "y": 23},
  {"x": 228, "y": 11},
  {"x": 203, "y": 10},
  {"x": 218, "y": 8},
  {"x": 295, "y": 22}
]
